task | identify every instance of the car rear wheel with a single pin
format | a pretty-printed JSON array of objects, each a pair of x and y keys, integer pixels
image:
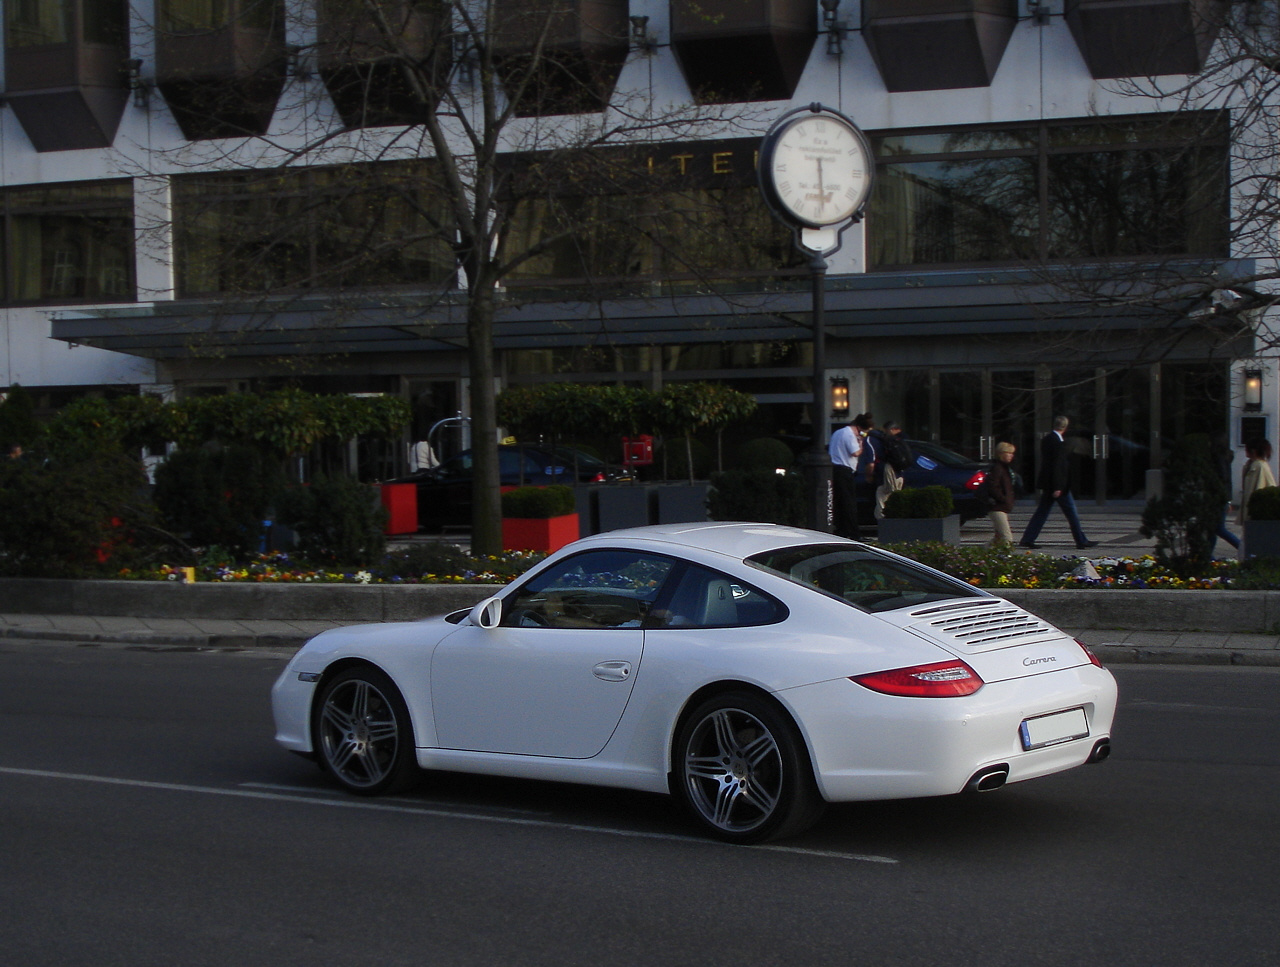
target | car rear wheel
[
  {"x": 743, "y": 772},
  {"x": 363, "y": 734}
]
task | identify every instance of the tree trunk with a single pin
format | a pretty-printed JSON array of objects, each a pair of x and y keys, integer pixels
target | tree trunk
[{"x": 486, "y": 502}]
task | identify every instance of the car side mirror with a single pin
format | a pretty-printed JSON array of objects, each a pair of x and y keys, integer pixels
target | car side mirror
[{"x": 488, "y": 613}]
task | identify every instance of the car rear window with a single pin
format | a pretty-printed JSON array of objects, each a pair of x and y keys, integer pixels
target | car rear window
[{"x": 862, "y": 577}]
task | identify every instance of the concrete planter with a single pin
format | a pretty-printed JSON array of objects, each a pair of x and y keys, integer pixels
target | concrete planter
[
  {"x": 621, "y": 506},
  {"x": 1262, "y": 538},
  {"x": 678, "y": 503},
  {"x": 912, "y": 530}
]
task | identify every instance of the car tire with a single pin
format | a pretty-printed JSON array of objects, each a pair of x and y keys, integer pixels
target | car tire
[
  {"x": 362, "y": 733},
  {"x": 742, "y": 770}
]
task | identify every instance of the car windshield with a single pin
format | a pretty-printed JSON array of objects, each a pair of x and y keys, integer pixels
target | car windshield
[{"x": 861, "y": 577}]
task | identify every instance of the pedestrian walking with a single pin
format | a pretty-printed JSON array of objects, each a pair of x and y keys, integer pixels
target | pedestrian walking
[
  {"x": 1053, "y": 480},
  {"x": 998, "y": 489},
  {"x": 1257, "y": 474}
]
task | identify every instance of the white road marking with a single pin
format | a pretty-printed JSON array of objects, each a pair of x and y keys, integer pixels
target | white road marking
[{"x": 389, "y": 807}]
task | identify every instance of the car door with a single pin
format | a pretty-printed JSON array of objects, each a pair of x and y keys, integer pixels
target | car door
[{"x": 554, "y": 677}]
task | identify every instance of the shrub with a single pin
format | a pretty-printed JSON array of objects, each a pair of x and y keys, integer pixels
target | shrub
[
  {"x": 556, "y": 500},
  {"x": 919, "y": 503},
  {"x": 672, "y": 454},
  {"x": 339, "y": 520},
  {"x": 217, "y": 496},
  {"x": 74, "y": 513},
  {"x": 764, "y": 453},
  {"x": 1184, "y": 519},
  {"x": 1264, "y": 504},
  {"x": 757, "y": 495}
]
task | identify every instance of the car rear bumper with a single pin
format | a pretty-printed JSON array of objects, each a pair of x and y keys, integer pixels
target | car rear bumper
[{"x": 865, "y": 745}]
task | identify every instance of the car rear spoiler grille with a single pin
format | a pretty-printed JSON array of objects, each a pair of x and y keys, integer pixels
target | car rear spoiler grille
[{"x": 983, "y": 624}]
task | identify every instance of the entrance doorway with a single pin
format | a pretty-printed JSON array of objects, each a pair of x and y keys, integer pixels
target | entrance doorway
[{"x": 1117, "y": 414}]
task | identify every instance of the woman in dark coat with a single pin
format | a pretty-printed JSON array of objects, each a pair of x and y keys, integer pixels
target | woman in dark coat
[{"x": 999, "y": 488}]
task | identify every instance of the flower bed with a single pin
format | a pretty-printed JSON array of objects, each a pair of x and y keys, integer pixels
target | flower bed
[
  {"x": 982, "y": 566},
  {"x": 277, "y": 567},
  {"x": 989, "y": 567}
]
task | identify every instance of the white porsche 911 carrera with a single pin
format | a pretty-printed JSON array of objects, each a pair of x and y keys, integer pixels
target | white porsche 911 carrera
[{"x": 754, "y": 671}]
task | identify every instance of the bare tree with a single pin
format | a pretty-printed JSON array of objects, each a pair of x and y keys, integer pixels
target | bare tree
[
  {"x": 501, "y": 140},
  {"x": 1199, "y": 259}
]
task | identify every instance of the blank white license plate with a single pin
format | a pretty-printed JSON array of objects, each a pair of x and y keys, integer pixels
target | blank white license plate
[{"x": 1052, "y": 729}]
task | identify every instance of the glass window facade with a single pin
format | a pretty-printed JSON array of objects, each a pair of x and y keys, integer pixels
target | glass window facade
[
  {"x": 42, "y": 23},
  {"x": 686, "y": 213},
  {"x": 1102, "y": 189},
  {"x": 37, "y": 23},
  {"x": 68, "y": 243},
  {"x": 352, "y": 226}
]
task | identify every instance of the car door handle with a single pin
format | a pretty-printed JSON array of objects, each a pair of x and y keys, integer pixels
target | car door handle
[{"x": 612, "y": 671}]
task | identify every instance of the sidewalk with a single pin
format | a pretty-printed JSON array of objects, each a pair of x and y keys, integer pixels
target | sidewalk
[{"x": 1114, "y": 527}]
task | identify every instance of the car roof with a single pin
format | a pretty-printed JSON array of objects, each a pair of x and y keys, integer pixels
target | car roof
[{"x": 735, "y": 539}]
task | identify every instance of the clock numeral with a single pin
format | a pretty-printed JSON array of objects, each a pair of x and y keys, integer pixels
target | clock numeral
[{"x": 784, "y": 188}]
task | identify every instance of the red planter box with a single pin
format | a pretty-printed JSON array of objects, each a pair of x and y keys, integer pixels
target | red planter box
[
  {"x": 539, "y": 534},
  {"x": 401, "y": 501}
]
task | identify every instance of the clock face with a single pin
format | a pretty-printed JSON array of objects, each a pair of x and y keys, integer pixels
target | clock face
[{"x": 818, "y": 169}]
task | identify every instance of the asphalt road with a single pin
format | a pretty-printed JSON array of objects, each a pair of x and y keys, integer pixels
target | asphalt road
[{"x": 146, "y": 818}]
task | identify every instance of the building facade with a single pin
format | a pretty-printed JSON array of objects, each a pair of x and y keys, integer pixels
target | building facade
[{"x": 1017, "y": 175}]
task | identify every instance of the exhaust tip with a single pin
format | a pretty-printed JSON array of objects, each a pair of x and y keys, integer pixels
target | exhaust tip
[
  {"x": 1101, "y": 750},
  {"x": 988, "y": 779}
]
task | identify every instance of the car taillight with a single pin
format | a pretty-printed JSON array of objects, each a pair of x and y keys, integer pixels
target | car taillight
[
  {"x": 1089, "y": 651},
  {"x": 598, "y": 478},
  {"x": 942, "y": 679},
  {"x": 975, "y": 481}
]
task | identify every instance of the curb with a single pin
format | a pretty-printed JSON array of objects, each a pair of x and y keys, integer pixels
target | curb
[
  {"x": 171, "y": 641},
  {"x": 1129, "y": 655}
]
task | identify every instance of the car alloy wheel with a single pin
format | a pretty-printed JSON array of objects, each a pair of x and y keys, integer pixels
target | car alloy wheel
[
  {"x": 363, "y": 733},
  {"x": 743, "y": 771}
]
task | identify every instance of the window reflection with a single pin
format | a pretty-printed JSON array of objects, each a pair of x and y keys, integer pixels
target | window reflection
[
  {"x": 69, "y": 243},
  {"x": 359, "y": 225},
  {"x": 1152, "y": 186}
]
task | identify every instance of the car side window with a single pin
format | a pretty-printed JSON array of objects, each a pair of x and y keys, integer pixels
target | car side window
[
  {"x": 709, "y": 599},
  {"x": 593, "y": 590}
]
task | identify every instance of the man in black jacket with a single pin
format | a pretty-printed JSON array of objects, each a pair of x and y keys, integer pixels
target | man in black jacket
[{"x": 1053, "y": 480}]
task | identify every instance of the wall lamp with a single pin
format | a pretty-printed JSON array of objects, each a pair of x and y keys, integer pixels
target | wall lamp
[
  {"x": 1253, "y": 390},
  {"x": 640, "y": 39},
  {"x": 464, "y": 56},
  {"x": 297, "y": 63},
  {"x": 839, "y": 397},
  {"x": 141, "y": 86},
  {"x": 834, "y": 29}
]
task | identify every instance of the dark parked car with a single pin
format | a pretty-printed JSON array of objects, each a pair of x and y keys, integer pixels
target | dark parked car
[
  {"x": 933, "y": 465},
  {"x": 444, "y": 492}
]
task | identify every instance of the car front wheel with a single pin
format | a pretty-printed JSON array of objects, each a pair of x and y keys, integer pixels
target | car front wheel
[
  {"x": 363, "y": 734},
  {"x": 743, "y": 772}
]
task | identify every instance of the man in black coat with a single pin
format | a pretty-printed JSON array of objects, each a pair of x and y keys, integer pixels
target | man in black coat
[{"x": 1053, "y": 480}]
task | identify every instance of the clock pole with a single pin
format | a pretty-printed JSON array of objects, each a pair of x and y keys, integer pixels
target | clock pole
[
  {"x": 816, "y": 462},
  {"x": 815, "y": 174}
]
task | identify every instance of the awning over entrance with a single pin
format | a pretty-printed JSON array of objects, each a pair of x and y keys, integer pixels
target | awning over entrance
[{"x": 988, "y": 302}]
